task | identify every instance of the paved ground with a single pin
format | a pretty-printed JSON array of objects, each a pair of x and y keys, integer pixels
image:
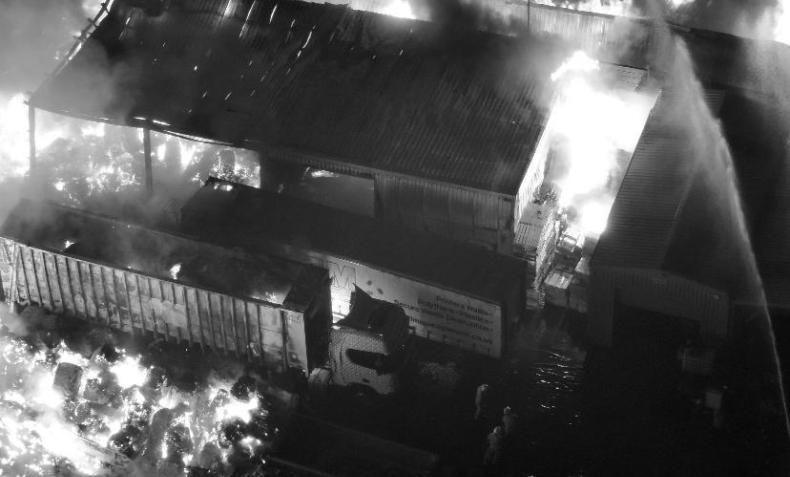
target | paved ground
[{"x": 540, "y": 382}]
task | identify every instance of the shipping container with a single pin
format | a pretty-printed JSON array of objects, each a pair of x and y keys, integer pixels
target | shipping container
[
  {"x": 453, "y": 293},
  {"x": 146, "y": 282}
]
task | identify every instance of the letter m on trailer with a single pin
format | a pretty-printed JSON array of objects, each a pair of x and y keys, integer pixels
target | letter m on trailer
[{"x": 343, "y": 276}]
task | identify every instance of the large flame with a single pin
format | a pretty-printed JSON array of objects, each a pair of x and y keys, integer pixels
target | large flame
[
  {"x": 589, "y": 125},
  {"x": 13, "y": 136},
  {"x": 782, "y": 25},
  {"x": 399, "y": 8}
]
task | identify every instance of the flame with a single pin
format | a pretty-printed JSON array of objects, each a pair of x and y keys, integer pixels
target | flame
[
  {"x": 175, "y": 270},
  {"x": 237, "y": 409},
  {"x": 782, "y": 25},
  {"x": 13, "y": 136},
  {"x": 589, "y": 124},
  {"x": 250, "y": 443},
  {"x": 607, "y": 7},
  {"x": 399, "y": 8},
  {"x": 37, "y": 433},
  {"x": 129, "y": 372}
]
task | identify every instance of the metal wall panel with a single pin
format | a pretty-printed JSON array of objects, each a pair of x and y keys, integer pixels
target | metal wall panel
[
  {"x": 7, "y": 257},
  {"x": 136, "y": 303},
  {"x": 462, "y": 214},
  {"x": 656, "y": 291}
]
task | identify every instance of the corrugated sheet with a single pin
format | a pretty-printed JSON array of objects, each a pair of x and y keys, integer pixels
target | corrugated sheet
[
  {"x": 461, "y": 214},
  {"x": 651, "y": 195},
  {"x": 655, "y": 291},
  {"x": 137, "y": 304},
  {"x": 772, "y": 244},
  {"x": 585, "y": 30},
  {"x": 390, "y": 94}
]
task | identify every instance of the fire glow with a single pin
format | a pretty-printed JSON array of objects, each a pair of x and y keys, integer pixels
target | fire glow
[
  {"x": 589, "y": 126},
  {"x": 606, "y": 7},
  {"x": 46, "y": 428},
  {"x": 399, "y": 8}
]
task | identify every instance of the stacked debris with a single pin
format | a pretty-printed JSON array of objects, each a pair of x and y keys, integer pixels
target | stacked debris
[{"x": 100, "y": 411}]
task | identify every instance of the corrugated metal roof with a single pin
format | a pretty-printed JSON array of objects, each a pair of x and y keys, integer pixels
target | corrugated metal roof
[
  {"x": 390, "y": 94},
  {"x": 655, "y": 185},
  {"x": 252, "y": 217}
]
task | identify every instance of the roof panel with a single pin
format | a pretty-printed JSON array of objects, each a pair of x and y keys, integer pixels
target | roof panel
[
  {"x": 644, "y": 214},
  {"x": 373, "y": 91}
]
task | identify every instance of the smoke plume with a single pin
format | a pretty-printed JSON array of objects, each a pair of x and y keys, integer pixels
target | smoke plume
[
  {"x": 35, "y": 34},
  {"x": 746, "y": 18}
]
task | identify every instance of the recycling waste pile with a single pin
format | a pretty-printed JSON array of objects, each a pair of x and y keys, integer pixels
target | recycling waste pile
[{"x": 73, "y": 402}]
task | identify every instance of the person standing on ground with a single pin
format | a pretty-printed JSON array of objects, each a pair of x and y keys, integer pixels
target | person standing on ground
[
  {"x": 481, "y": 398},
  {"x": 509, "y": 420},
  {"x": 493, "y": 453}
]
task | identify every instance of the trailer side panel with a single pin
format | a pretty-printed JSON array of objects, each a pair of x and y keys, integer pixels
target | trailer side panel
[{"x": 132, "y": 302}]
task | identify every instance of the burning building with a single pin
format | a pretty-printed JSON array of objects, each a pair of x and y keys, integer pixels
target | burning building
[
  {"x": 478, "y": 137},
  {"x": 458, "y": 116},
  {"x": 512, "y": 144},
  {"x": 507, "y": 142}
]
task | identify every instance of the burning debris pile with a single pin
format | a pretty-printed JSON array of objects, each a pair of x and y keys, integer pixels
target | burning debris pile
[
  {"x": 100, "y": 166},
  {"x": 91, "y": 408}
]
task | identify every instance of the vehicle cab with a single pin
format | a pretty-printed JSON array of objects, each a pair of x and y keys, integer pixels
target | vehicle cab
[{"x": 370, "y": 346}]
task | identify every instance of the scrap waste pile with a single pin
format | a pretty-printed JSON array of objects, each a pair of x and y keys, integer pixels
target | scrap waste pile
[{"x": 74, "y": 403}]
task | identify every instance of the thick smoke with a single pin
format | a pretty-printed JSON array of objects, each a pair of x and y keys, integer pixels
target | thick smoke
[
  {"x": 746, "y": 18},
  {"x": 35, "y": 35}
]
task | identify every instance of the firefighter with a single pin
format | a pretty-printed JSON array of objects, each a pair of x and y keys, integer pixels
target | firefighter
[
  {"x": 481, "y": 399},
  {"x": 509, "y": 420},
  {"x": 494, "y": 450}
]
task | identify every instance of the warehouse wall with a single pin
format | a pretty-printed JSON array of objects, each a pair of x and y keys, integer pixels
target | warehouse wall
[
  {"x": 467, "y": 215},
  {"x": 655, "y": 291}
]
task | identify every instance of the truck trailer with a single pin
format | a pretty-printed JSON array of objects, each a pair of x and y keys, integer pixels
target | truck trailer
[
  {"x": 148, "y": 282},
  {"x": 269, "y": 311},
  {"x": 453, "y": 293}
]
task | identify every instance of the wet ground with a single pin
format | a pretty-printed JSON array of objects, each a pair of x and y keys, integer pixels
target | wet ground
[
  {"x": 615, "y": 411},
  {"x": 435, "y": 410},
  {"x": 625, "y": 410}
]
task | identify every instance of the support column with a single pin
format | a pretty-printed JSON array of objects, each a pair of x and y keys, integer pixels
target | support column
[
  {"x": 31, "y": 124},
  {"x": 149, "y": 172}
]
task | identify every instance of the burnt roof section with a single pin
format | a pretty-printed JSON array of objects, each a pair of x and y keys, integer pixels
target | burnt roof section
[
  {"x": 99, "y": 239},
  {"x": 259, "y": 220},
  {"x": 380, "y": 93}
]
